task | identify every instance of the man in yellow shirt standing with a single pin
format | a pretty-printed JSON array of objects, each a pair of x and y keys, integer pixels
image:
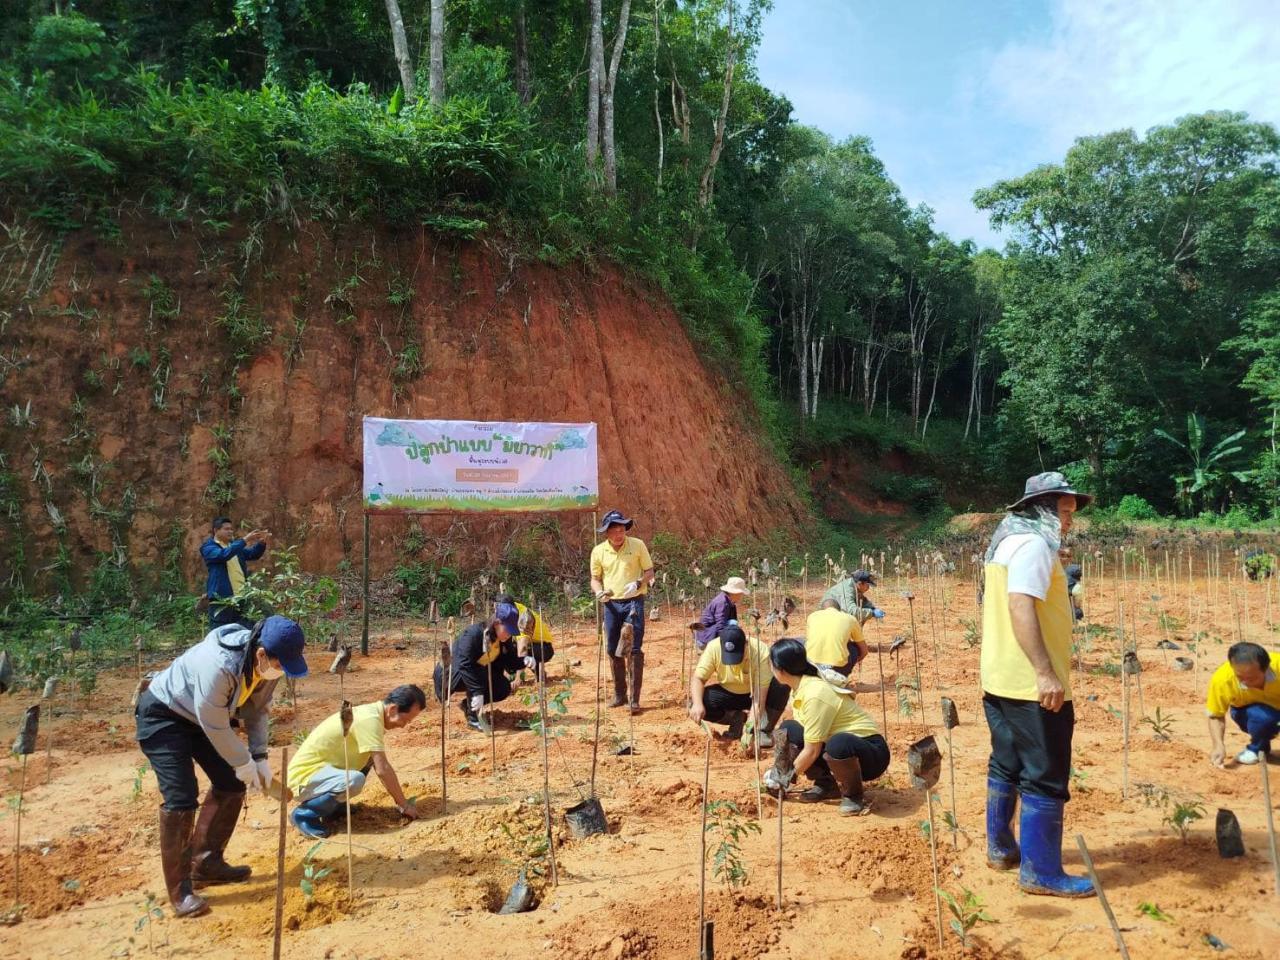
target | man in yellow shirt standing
[
  {"x": 1026, "y": 686},
  {"x": 1247, "y": 685},
  {"x": 317, "y": 776},
  {"x": 731, "y": 669},
  {"x": 621, "y": 574}
]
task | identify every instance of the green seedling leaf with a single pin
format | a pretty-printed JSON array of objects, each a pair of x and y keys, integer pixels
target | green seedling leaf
[{"x": 1153, "y": 911}]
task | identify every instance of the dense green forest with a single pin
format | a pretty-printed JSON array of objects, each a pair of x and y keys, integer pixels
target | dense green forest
[{"x": 1129, "y": 333}]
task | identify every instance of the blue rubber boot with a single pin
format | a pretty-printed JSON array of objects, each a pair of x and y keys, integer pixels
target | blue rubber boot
[
  {"x": 1041, "y": 832},
  {"x": 1002, "y": 848},
  {"x": 309, "y": 815}
]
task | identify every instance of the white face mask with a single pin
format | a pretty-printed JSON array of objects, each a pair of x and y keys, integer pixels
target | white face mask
[{"x": 266, "y": 671}]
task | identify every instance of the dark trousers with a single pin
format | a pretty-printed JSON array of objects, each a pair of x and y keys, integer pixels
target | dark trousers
[
  {"x": 1260, "y": 721},
  {"x": 718, "y": 701},
  {"x": 173, "y": 746},
  {"x": 474, "y": 678},
  {"x": 872, "y": 752},
  {"x": 618, "y": 612},
  {"x": 1030, "y": 747}
]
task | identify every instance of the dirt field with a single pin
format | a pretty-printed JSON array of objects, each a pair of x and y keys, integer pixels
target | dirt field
[{"x": 853, "y": 887}]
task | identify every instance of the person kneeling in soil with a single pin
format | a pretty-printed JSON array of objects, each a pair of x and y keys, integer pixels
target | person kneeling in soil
[
  {"x": 720, "y": 690},
  {"x": 850, "y": 595},
  {"x": 720, "y": 612},
  {"x": 184, "y": 718},
  {"x": 319, "y": 780},
  {"x": 533, "y": 642},
  {"x": 482, "y": 658},
  {"x": 1247, "y": 685},
  {"x": 833, "y": 643},
  {"x": 829, "y": 738}
]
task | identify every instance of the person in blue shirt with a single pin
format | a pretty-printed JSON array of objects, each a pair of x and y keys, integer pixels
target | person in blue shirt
[{"x": 227, "y": 559}]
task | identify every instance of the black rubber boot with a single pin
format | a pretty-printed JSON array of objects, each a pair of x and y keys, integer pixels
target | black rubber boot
[
  {"x": 637, "y": 678},
  {"x": 175, "y": 861},
  {"x": 619, "y": 668}
]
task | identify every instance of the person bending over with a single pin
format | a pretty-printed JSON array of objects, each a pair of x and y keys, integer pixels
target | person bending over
[
  {"x": 733, "y": 667},
  {"x": 483, "y": 655},
  {"x": 1247, "y": 686}
]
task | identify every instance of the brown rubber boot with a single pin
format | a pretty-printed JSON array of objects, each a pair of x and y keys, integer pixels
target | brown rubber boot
[
  {"x": 214, "y": 826},
  {"x": 619, "y": 668},
  {"x": 637, "y": 678},
  {"x": 848, "y": 774},
  {"x": 175, "y": 861},
  {"x": 780, "y": 776}
]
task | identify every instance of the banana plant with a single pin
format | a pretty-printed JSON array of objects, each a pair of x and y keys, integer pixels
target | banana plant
[{"x": 1209, "y": 470}]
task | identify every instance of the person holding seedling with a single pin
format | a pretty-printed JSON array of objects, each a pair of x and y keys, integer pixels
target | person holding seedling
[
  {"x": 731, "y": 669},
  {"x": 851, "y": 596},
  {"x": 184, "y": 719},
  {"x": 722, "y": 610},
  {"x": 829, "y": 738},
  {"x": 227, "y": 558},
  {"x": 1026, "y": 684},
  {"x": 1248, "y": 687},
  {"x": 621, "y": 574},
  {"x": 483, "y": 655},
  {"x": 319, "y": 780}
]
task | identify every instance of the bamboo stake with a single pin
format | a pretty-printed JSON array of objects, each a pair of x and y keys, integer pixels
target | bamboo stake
[
  {"x": 446, "y": 670},
  {"x": 346, "y": 719},
  {"x": 915, "y": 653},
  {"x": 595, "y": 743},
  {"x": 884, "y": 707},
  {"x": 1102, "y": 897},
  {"x": 1271, "y": 826},
  {"x": 757, "y": 705},
  {"x": 781, "y": 793},
  {"x": 933, "y": 855},
  {"x": 493, "y": 725},
  {"x": 17, "y": 836},
  {"x": 702, "y": 859},
  {"x": 546, "y": 766},
  {"x": 284, "y": 806}
]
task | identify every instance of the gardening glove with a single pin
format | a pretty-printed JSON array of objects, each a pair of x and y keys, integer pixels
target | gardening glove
[
  {"x": 778, "y": 782},
  {"x": 878, "y": 614},
  {"x": 477, "y": 703},
  {"x": 530, "y": 663},
  {"x": 604, "y": 595},
  {"x": 264, "y": 773},
  {"x": 247, "y": 773}
]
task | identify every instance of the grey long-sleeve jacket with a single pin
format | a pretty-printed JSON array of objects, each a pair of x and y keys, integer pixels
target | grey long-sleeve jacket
[{"x": 202, "y": 686}]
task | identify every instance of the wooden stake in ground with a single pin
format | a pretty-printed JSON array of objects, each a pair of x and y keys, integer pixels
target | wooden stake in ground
[
  {"x": 702, "y": 845},
  {"x": 1124, "y": 779},
  {"x": 23, "y": 746},
  {"x": 1271, "y": 826},
  {"x": 339, "y": 667},
  {"x": 933, "y": 855},
  {"x": 284, "y": 809},
  {"x": 884, "y": 703},
  {"x": 50, "y": 688},
  {"x": 546, "y": 765},
  {"x": 595, "y": 740},
  {"x": 915, "y": 652},
  {"x": 950, "y": 720},
  {"x": 1102, "y": 897},
  {"x": 446, "y": 677},
  {"x": 491, "y": 637},
  {"x": 781, "y": 793}
]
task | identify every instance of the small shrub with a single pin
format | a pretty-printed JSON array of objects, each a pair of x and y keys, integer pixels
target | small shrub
[
  {"x": 1182, "y": 816},
  {"x": 1134, "y": 507},
  {"x": 966, "y": 913},
  {"x": 725, "y": 820}
]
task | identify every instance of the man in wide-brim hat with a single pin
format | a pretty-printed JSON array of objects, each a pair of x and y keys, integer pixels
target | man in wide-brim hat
[
  {"x": 1026, "y": 686},
  {"x": 621, "y": 574}
]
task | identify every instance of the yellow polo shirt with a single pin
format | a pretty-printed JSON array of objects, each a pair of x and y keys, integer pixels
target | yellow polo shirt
[
  {"x": 616, "y": 568},
  {"x": 824, "y": 712},
  {"x": 1005, "y": 669},
  {"x": 540, "y": 633},
  {"x": 827, "y": 634},
  {"x": 323, "y": 745},
  {"x": 711, "y": 667},
  {"x": 1225, "y": 691}
]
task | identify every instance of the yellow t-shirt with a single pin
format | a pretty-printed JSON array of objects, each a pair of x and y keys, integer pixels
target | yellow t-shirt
[
  {"x": 616, "y": 568},
  {"x": 736, "y": 678},
  {"x": 1225, "y": 691},
  {"x": 827, "y": 634},
  {"x": 324, "y": 744},
  {"x": 824, "y": 712},
  {"x": 1005, "y": 669},
  {"x": 235, "y": 573},
  {"x": 540, "y": 632}
]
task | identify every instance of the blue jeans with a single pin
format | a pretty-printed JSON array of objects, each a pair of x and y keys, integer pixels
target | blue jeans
[
  {"x": 1260, "y": 721},
  {"x": 618, "y": 612}
]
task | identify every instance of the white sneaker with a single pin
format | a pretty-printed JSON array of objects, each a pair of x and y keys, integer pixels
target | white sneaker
[{"x": 1247, "y": 757}]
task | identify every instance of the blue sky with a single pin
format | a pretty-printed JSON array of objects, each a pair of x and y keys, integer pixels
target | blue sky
[{"x": 956, "y": 95}]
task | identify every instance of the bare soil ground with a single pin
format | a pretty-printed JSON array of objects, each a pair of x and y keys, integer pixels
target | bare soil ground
[{"x": 855, "y": 887}]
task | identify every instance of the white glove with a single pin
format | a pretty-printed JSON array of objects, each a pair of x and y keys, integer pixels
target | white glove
[
  {"x": 530, "y": 663},
  {"x": 247, "y": 773},
  {"x": 632, "y": 589},
  {"x": 264, "y": 774},
  {"x": 477, "y": 703}
]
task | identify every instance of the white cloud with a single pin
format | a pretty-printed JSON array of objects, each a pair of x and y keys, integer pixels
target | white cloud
[{"x": 1138, "y": 63}]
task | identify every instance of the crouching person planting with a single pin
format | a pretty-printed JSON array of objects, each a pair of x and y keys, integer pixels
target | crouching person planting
[
  {"x": 184, "y": 719},
  {"x": 733, "y": 667},
  {"x": 317, "y": 776},
  {"x": 829, "y": 738}
]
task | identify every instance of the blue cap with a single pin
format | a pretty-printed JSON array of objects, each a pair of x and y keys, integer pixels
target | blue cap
[
  {"x": 282, "y": 640},
  {"x": 612, "y": 517},
  {"x": 507, "y": 615},
  {"x": 733, "y": 644}
]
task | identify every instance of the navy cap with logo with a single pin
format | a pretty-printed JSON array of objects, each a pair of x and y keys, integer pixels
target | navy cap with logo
[
  {"x": 507, "y": 615},
  {"x": 733, "y": 644},
  {"x": 282, "y": 639},
  {"x": 612, "y": 517}
]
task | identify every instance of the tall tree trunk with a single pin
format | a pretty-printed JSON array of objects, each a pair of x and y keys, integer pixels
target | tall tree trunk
[
  {"x": 706, "y": 183},
  {"x": 615, "y": 61},
  {"x": 819, "y": 346},
  {"x": 400, "y": 44},
  {"x": 436, "y": 70},
  {"x": 524, "y": 76},
  {"x": 595, "y": 72},
  {"x": 680, "y": 114},
  {"x": 657, "y": 112},
  {"x": 933, "y": 394}
]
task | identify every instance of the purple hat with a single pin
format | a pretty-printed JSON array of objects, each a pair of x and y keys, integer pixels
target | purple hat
[
  {"x": 282, "y": 639},
  {"x": 507, "y": 615},
  {"x": 1047, "y": 483}
]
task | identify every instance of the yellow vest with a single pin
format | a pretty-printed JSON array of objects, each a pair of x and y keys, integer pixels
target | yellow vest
[{"x": 1006, "y": 671}]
